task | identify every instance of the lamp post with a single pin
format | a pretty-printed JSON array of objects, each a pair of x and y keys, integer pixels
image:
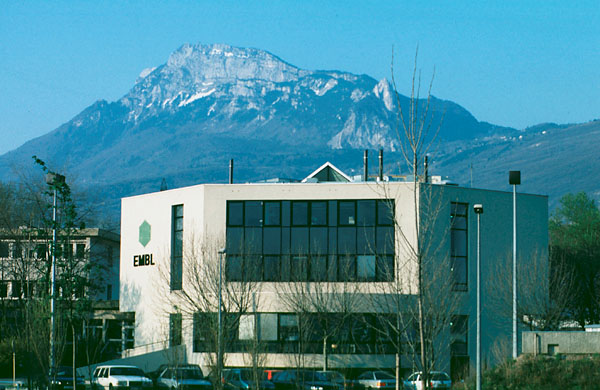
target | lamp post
[
  {"x": 54, "y": 180},
  {"x": 514, "y": 179},
  {"x": 219, "y": 318},
  {"x": 478, "y": 208}
]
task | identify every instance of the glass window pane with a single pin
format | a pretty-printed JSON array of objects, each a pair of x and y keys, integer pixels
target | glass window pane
[
  {"x": 235, "y": 243},
  {"x": 178, "y": 223},
  {"x": 178, "y": 244},
  {"x": 347, "y": 268},
  {"x": 299, "y": 268},
  {"x": 272, "y": 241},
  {"x": 235, "y": 213},
  {"x": 299, "y": 240},
  {"x": 365, "y": 240},
  {"x": 252, "y": 270},
  {"x": 253, "y": 241},
  {"x": 346, "y": 241},
  {"x": 318, "y": 241},
  {"x": 318, "y": 268},
  {"x": 332, "y": 269},
  {"x": 285, "y": 213},
  {"x": 365, "y": 268},
  {"x": 385, "y": 268},
  {"x": 385, "y": 240},
  {"x": 233, "y": 268},
  {"x": 272, "y": 268},
  {"x": 459, "y": 271},
  {"x": 347, "y": 214},
  {"x": 299, "y": 213},
  {"x": 332, "y": 240},
  {"x": 318, "y": 213},
  {"x": 385, "y": 212},
  {"x": 458, "y": 208},
  {"x": 333, "y": 213},
  {"x": 272, "y": 213},
  {"x": 366, "y": 212},
  {"x": 286, "y": 273},
  {"x": 253, "y": 216},
  {"x": 268, "y": 326},
  {"x": 459, "y": 243},
  {"x": 179, "y": 211},
  {"x": 285, "y": 241},
  {"x": 458, "y": 222}
]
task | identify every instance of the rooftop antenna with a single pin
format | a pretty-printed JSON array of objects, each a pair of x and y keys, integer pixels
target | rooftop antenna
[
  {"x": 231, "y": 171},
  {"x": 380, "y": 164}
]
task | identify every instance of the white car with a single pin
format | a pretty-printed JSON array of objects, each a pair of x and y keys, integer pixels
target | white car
[
  {"x": 437, "y": 380},
  {"x": 120, "y": 378}
]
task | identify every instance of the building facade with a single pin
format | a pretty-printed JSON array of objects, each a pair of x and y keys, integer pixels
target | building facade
[{"x": 347, "y": 248}]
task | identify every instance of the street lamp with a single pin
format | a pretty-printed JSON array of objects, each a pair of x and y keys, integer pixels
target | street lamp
[
  {"x": 478, "y": 208},
  {"x": 219, "y": 319},
  {"x": 514, "y": 179},
  {"x": 54, "y": 180}
]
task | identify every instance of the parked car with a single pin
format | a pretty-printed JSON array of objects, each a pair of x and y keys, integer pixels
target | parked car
[
  {"x": 270, "y": 373},
  {"x": 183, "y": 377},
  {"x": 337, "y": 377},
  {"x": 373, "y": 380},
  {"x": 117, "y": 377},
  {"x": 303, "y": 380},
  {"x": 243, "y": 378},
  {"x": 437, "y": 380},
  {"x": 63, "y": 379}
]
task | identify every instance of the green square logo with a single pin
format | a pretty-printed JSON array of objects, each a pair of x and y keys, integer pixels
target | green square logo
[{"x": 144, "y": 236}]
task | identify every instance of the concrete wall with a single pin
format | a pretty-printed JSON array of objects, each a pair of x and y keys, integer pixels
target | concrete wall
[{"x": 552, "y": 343}]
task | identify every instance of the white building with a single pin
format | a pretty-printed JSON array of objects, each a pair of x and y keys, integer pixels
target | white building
[{"x": 329, "y": 231}]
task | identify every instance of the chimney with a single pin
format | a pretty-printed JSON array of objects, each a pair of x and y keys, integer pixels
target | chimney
[
  {"x": 426, "y": 168},
  {"x": 366, "y": 165},
  {"x": 380, "y": 164},
  {"x": 231, "y": 171}
]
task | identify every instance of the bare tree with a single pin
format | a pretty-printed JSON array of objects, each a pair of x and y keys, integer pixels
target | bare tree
[
  {"x": 206, "y": 286},
  {"x": 544, "y": 291},
  {"x": 419, "y": 296}
]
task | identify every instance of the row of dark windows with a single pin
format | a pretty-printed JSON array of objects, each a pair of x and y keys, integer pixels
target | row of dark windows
[
  {"x": 360, "y": 333},
  {"x": 332, "y": 268},
  {"x": 369, "y": 212},
  {"x": 41, "y": 251},
  {"x": 314, "y": 240}
]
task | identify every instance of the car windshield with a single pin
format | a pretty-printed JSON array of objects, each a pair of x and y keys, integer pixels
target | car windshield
[
  {"x": 383, "y": 375},
  {"x": 311, "y": 376},
  {"x": 131, "y": 371},
  {"x": 247, "y": 376},
  {"x": 440, "y": 376},
  {"x": 189, "y": 373}
]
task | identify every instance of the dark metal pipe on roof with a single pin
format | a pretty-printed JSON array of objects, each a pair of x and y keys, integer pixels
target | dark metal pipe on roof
[
  {"x": 231, "y": 171},
  {"x": 380, "y": 164},
  {"x": 366, "y": 165}
]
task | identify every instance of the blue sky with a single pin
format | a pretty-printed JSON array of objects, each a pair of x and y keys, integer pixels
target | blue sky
[{"x": 511, "y": 63}]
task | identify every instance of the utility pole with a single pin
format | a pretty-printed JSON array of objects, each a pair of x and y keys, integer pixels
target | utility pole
[
  {"x": 514, "y": 179},
  {"x": 478, "y": 208},
  {"x": 54, "y": 180}
]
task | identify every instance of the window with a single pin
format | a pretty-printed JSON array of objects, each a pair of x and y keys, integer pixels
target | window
[
  {"x": 459, "y": 335},
  {"x": 176, "y": 247},
  {"x": 79, "y": 251},
  {"x": 3, "y": 249},
  {"x": 310, "y": 240},
  {"x": 175, "y": 329},
  {"x": 458, "y": 246},
  {"x": 41, "y": 251},
  {"x": 109, "y": 292}
]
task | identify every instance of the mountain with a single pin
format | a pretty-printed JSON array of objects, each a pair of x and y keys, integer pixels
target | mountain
[{"x": 185, "y": 119}]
